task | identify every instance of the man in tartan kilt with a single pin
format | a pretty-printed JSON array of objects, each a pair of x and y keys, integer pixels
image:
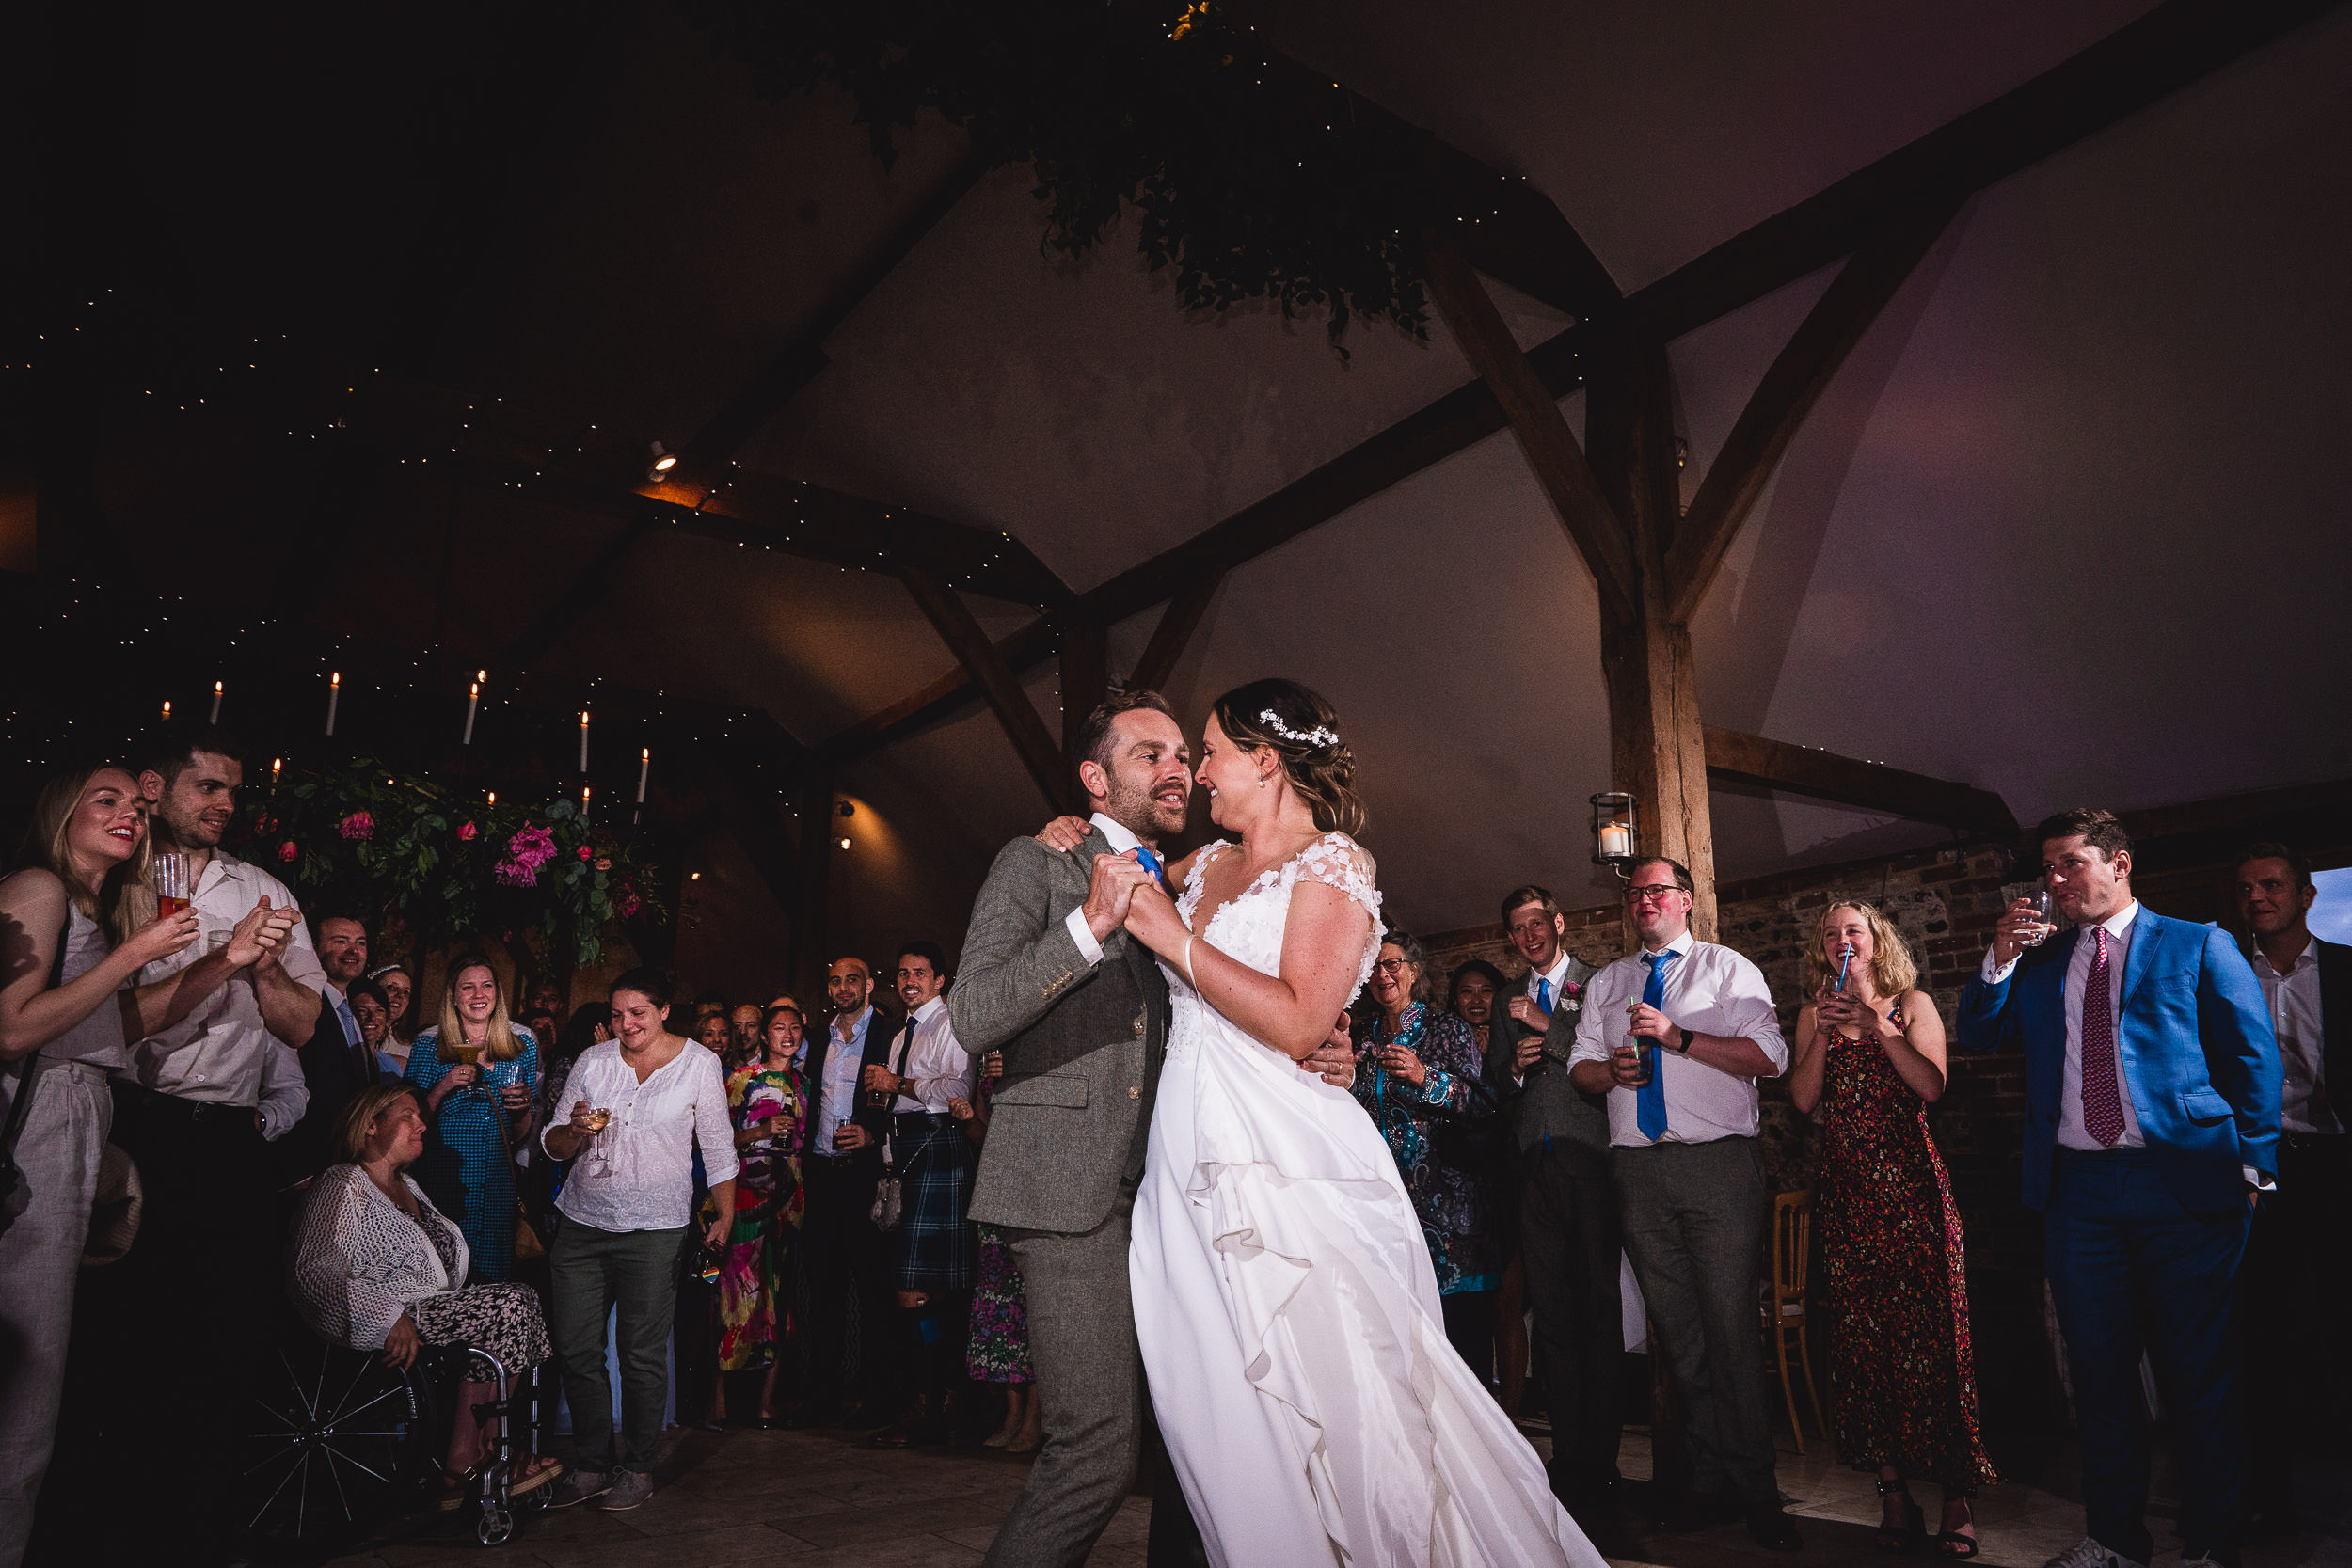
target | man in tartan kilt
[{"x": 934, "y": 1251}]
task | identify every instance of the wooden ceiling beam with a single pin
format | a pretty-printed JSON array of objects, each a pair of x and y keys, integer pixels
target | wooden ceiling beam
[
  {"x": 1803, "y": 371},
  {"x": 953, "y": 620},
  {"x": 1543, "y": 434},
  {"x": 1178, "y": 621},
  {"x": 1874, "y": 787},
  {"x": 2177, "y": 43},
  {"x": 1021, "y": 652}
]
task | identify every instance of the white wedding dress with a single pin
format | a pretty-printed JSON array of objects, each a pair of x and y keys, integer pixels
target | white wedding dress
[{"x": 1287, "y": 1309}]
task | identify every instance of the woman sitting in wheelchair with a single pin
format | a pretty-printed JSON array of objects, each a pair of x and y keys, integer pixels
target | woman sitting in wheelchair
[{"x": 376, "y": 1266}]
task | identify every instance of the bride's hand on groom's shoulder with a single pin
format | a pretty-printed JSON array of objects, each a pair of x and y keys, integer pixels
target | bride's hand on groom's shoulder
[{"x": 1064, "y": 834}]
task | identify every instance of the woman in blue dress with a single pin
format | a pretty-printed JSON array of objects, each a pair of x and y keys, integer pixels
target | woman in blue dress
[{"x": 476, "y": 1070}]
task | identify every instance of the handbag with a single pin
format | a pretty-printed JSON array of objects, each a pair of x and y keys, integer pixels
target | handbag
[
  {"x": 528, "y": 1246},
  {"x": 889, "y": 1197}
]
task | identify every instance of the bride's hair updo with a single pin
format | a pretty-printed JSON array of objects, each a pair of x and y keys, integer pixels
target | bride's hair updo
[{"x": 1300, "y": 727}]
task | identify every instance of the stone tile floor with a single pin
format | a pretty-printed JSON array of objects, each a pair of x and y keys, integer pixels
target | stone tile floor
[{"x": 821, "y": 1498}]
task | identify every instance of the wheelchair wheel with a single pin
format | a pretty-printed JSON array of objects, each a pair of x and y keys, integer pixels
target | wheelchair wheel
[{"x": 336, "y": 1443}]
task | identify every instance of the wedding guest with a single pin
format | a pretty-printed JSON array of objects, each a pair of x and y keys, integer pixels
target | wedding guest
[
  {"x": 786, "y": 999},
  {"x": 336, "y": 1061},
  {"x": 769, "y": 1107},
  {"x": 373, "y": 1011},
  {"x": 2152, "y": 1119},
  {"x": 1418, "y": 1070},
  {"x": 188, "y": 1113},
  {"x": 932, "y": 1250},
  {"x": 1475, "y": 992},
  {"x": 545, "y": 996},
  {"x": 402, "y": 1031},
  {"x": 630, "y": 1119},
  {"x": 476, "y": 1072},
  {"x": 841, "y": 1250},
  {"x": 750, "y": 1030},
  {"x": 77, "y": 923},
  {"x": 715, "y": 1033},
  {"x": 1676, "y": 1035},
  {"x": 999, "y": 1350},
  {"x": 374, "y": 1266},
  {"x": 2299, "y": 1238},
  {"x": 1566, "y": 1213},
  {"x": 1869, "y": 1058}
]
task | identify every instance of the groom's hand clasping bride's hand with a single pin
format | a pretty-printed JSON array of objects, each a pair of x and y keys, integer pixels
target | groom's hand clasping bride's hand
[{"x": 1111, "y": 890}]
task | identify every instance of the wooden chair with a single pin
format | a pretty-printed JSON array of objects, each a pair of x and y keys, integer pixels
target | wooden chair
[{"x": 1784, "y": 1306}]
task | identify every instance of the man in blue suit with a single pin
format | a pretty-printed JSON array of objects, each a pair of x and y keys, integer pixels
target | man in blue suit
[{"x": 2151, "y": 1118}]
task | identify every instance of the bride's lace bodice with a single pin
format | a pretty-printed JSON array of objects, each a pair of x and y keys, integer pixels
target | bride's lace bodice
[{"x": 1249, "y": 925}]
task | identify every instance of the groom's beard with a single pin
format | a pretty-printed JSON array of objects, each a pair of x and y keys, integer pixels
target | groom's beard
[{"x": 1143, "y": 813}]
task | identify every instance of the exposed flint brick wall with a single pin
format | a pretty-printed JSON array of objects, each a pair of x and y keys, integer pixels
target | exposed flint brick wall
[{"x": 1944, "y": 902}]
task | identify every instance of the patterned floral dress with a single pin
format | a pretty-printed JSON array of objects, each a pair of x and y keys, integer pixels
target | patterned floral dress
[
  {"x": 467, "y": 1168},
  {"x": 768, "y": 1205},
  {"x": 1457, "y": 1212},
  {"x": 999, "y": 1349},
  {"x": 1903, "y": 1376}
]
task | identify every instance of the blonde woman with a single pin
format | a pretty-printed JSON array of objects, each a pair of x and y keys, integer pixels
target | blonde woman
[
  {"x": 1869, "y": 1056},
  {"x": 476, "y": 1070},
  {"x": 77, "y": 921}
]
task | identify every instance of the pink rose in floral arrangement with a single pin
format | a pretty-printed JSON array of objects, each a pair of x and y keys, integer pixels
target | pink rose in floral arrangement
[
  {"x": 586, "y": 852},
  {"x": 604, "y": 865},
  {"x": 468, "y": 831},
  {"x": 513, "y": 874},
  {"x": 359, "y": 825},
  {"x": 626, "y": 905},
  {"x": 287, "y": 851}
]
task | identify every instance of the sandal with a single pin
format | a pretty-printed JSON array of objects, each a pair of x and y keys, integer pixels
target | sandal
[
  {"x": 536, "y": 1472},
  {"x": 1897, "y": 1539},
  {"x": 457, "y": 1488},
  {"x": 1951, "y": 1544}
]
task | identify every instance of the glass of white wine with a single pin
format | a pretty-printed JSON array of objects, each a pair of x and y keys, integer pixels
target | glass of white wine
[{"x": 598, "y": 1121}]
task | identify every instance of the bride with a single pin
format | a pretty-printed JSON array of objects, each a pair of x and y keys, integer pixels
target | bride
[{"x": 1283, "y": 1295}]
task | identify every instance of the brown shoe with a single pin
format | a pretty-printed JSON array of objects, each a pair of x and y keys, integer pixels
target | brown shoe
[{"x": 919, "y": 1428}]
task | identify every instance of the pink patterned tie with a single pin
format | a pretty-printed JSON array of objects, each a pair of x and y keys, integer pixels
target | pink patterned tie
[{"x": 2102, "y": 1111}]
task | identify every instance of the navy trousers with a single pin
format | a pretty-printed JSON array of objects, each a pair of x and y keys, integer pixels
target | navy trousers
[{"x": 2133, "y": 1270}]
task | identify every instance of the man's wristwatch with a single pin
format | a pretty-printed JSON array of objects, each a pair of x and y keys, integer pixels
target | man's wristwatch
[{"x": 1687, "y": 1035}]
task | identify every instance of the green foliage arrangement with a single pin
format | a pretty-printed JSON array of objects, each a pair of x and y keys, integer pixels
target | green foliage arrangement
[
  {"x": 1248, "y": 181},
  {"x": 405, "y": 851}
]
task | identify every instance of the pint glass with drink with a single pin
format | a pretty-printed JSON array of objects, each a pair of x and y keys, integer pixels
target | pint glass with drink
[{"x": 170, "y": 872}]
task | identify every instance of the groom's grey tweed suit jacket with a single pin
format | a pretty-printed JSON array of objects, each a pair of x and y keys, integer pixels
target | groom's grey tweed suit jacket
[{"x": 1083, "y": 1044}]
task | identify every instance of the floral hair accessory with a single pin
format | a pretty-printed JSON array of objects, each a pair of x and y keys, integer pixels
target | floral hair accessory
[{"x": 1320, "y": 735}]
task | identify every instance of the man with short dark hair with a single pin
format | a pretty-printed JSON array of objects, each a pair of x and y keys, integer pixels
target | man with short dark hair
[
  {"x": 336, "y": 1062},
  {"x": 839, "y": 1247},
  {"x": 1568, "y": 1230},
  {"x": 187, "y": 1112},
  {"x": 934, "y": 1251},
  {"x": 1676, "y": 1035},
  {"x": 2151, "y": 1118},
  {"x": 2294, "y": 1357}
]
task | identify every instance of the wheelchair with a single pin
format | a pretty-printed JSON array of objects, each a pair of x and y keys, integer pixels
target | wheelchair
[{"x": 336, "y": 1444}]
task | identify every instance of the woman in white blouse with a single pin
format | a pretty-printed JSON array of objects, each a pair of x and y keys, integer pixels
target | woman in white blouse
[
  {"x": 629, "y": 1117},
  {"x": 376, "y": 1266}
]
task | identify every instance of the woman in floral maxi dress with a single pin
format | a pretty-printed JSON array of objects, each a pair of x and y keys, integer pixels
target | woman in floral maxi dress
[
  {"x": 1869, "y": 1054},
  {"x": 999, "y": 1349},
  {"x": 769, "y": 1107}
]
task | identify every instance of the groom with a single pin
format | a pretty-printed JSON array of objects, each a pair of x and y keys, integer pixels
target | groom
[{"x": 1080, "y": 1011}]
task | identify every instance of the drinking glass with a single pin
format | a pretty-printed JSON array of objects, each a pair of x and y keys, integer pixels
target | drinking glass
[
  {"x": 598, "y": 1121},
  {"x": 2036, "y": 934},
  {"x": 171, "y": 873},
  {"x": 1644, "y": 1052}
]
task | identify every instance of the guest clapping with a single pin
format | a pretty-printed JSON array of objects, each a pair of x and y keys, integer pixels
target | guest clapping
[
  {"x": 1419, "y": 1073},
  {"x": 1869, "y": 1053},
  {"x": 632, "y": 1115},
  {"x": 376, "y": 1266},
  {"x": 475, "y": 1071}
]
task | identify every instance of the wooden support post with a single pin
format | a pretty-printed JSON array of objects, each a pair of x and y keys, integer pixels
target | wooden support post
[
  {"x": 810, "y": 952},
  {"x": 1657, "y": 748},
  {"x": 953, "y": 619},
  {"x": 1178, "y": 621},
  {"x": 1086, "y": 680}
]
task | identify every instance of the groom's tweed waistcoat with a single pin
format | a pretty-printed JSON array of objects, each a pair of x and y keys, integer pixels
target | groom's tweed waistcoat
[{"x": 1082, "y": 1043}]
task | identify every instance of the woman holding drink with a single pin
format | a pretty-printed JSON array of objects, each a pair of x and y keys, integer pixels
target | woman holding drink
[
  {"x": 1869, "y": 1056},
  {"x": 629, "y": 1117},
  {"x": 475, "y": 1071},
  {"x": 771, "y": 1108}
]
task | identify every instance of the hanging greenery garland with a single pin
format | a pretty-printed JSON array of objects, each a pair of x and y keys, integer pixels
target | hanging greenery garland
[
  {"x": 1249, "y": 183},
  {"x": 402, "y": 849}
]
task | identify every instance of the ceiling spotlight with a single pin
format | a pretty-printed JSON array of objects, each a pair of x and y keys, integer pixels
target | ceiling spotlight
[
  {"x": 845, "y": 844},
  {"x": 663, "y": 461}
]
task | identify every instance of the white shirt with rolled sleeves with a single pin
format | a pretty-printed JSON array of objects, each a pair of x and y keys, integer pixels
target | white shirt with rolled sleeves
[
  {"x": 1709, "y": 989},
  {"x": 220, "y": 1052},
  {"x": 940, "y": 1068},
  {"x": 836, "y": 1079},
  {"x": 1123, "y": 840},
  {"x": 646, "y": 1178},
  {"x": 2306, "y": 1104}
]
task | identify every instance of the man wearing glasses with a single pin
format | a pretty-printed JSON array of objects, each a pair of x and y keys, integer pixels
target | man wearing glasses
[{"x": 1676, "y": 1035}]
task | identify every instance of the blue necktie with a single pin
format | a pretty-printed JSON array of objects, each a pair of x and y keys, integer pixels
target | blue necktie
[
  {"x": 1543, "y": 996},
  {"x": 1150, "y": 863},
  {"x": 1649, "y": 1100}
]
